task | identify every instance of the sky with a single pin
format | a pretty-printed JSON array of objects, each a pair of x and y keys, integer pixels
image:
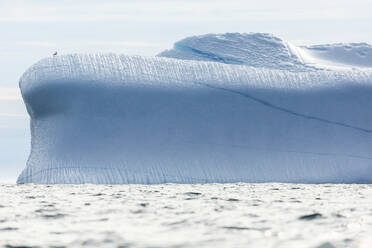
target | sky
[{"x": 33, "y": 29}]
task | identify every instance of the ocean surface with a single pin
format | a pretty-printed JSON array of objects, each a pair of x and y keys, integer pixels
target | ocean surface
[{"x": 190, "y": 215}]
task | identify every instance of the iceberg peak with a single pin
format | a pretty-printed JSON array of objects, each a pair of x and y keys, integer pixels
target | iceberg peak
[{"x": 263, "y": 50}]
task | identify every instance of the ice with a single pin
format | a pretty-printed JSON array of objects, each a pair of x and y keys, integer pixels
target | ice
[
  {"x": 112, "y": 119},
  {"x": 253, "y": 49},
  {"x": 340, "y": 55},
  {"x": 267, "y": 51}
]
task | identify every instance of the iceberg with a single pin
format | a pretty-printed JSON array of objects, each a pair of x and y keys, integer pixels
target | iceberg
[{"x": 291, "y": 114}]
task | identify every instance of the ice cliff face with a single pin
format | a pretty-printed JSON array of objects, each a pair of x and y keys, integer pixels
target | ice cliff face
[{"x": 129, "y": 119}]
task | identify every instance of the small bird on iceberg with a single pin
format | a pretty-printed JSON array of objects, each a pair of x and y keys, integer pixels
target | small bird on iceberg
[{"x": 55, "y": 54}]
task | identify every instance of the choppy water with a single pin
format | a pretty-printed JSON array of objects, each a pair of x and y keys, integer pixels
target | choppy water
[{"x": 210, "y": 215}]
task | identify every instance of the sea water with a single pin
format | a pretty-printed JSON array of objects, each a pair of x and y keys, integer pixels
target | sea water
[{"x": 186, "y": 215}]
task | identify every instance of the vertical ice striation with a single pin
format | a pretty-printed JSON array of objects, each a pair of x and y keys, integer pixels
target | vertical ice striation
[{"x": 106, "y": 118}]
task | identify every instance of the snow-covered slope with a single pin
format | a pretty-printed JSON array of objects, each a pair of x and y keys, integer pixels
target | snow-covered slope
[
  {"x": 253, "y": 49},
  {"x": 352, "y": 55},
  {"x": 129, "y": 119},
  {"x": 267, "y": 51}
]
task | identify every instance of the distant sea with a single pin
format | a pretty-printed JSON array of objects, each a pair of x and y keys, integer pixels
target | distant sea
[{"x": 190, "y": 215}]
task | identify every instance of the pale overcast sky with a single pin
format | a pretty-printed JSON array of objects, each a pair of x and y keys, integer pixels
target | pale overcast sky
[{"x": 33, "y": 29}]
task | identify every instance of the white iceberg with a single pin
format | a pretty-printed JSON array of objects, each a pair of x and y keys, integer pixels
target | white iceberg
[{"x": 294, "y": 114}]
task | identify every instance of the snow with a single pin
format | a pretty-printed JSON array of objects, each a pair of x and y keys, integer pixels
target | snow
[
  {"x": 253, "y": 49},
  {"x": 274, "y": 117},
  {"x": 351, "y": 55},
  {"x": 267, "y": 51}
]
